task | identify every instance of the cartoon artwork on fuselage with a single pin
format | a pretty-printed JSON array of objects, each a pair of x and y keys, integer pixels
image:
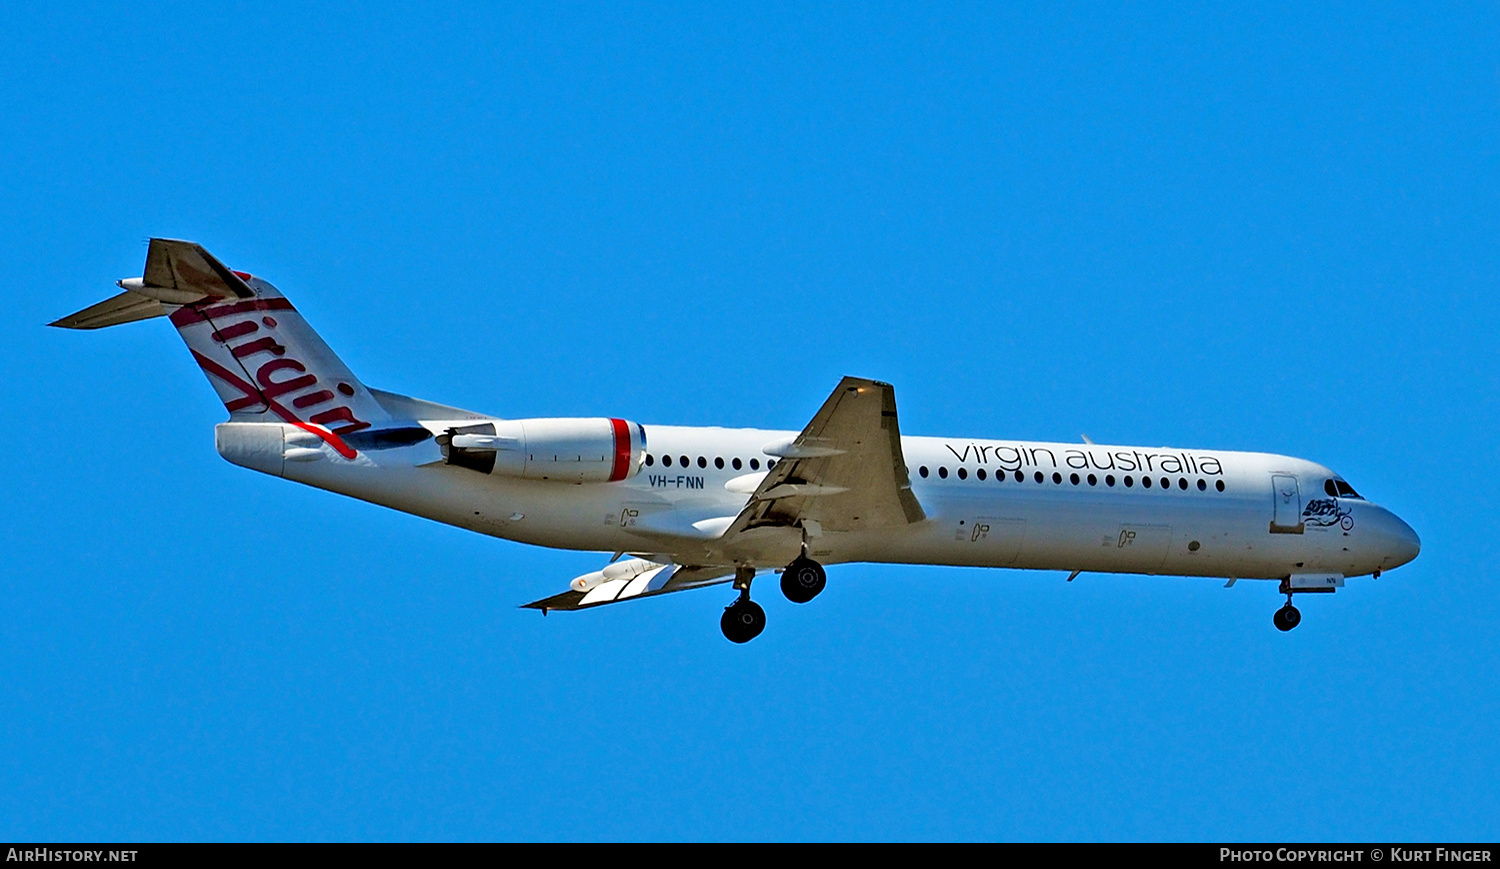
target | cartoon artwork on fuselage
[{"x": 1323, "y": 512}]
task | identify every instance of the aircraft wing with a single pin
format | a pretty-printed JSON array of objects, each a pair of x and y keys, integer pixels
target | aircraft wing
[
  {"x": 662, "y": 580},
  {"x": 845, "y": 472}
]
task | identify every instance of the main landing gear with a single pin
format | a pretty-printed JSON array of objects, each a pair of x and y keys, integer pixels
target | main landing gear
[
  {"x": 802, "y": 580},
  {"x": 744, "y": 619}
]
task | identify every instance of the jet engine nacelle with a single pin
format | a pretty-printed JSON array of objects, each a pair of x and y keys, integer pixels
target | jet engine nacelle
[{"x": 562, "y": 450}]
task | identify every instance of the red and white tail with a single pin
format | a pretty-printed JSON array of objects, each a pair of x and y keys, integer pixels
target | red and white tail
[{"x": 264, "y": 360}]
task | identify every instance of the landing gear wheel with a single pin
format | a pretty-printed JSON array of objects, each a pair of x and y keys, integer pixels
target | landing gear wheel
[
  {"x": 1287, "y": 618},
  {"x": 802, "y": 580},
  {"x": 743, "y": 621}
]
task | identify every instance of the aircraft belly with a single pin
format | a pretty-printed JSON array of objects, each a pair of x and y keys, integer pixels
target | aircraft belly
[{"x": 1091, "y": 535}]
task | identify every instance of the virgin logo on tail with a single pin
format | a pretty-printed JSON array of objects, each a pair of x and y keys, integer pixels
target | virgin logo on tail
[{"x": 251, "y": 341}]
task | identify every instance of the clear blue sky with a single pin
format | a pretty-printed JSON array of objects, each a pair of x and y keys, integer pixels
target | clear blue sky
[{"x": 1271, "y": 227}]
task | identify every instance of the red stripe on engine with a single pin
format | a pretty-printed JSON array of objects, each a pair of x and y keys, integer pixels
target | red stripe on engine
[
  {"x": 622, "y": 450},
  {"x": 189, "y": 315}
]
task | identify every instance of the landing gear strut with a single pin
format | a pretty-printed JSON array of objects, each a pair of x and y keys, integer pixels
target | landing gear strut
[
  {"x": 743, "y": 620},
  {"x": 802, "y": 580},
  {"x": 1287, "y": 617}
]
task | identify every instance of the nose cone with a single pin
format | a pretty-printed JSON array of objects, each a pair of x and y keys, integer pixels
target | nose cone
[{"x": 1399, "y": 543}]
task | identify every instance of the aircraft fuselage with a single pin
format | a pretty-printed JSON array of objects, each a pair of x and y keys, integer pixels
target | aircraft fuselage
[{"x": 1042, "y": 506}]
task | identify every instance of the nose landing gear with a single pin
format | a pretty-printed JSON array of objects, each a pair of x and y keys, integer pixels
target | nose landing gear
[{"x": 1288, "y": 616}]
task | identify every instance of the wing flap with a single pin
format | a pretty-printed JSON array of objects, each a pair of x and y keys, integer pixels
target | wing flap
[{"x": 663, "y": 580}]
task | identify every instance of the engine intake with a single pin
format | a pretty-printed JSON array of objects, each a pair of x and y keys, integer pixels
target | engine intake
[{"x": 562, "y": 450}]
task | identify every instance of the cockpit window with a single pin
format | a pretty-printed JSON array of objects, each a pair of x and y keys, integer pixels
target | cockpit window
[{"x": 1337, "y": 488}]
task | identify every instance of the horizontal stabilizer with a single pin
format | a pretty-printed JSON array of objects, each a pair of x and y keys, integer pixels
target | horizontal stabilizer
[
  {"x": 127, "y": 307},
  {"x": 177, "y": 273},
  {"x": 186, "y": 267}
]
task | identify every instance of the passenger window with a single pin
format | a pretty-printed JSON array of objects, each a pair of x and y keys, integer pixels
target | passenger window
[
  {"x": 755, "y": 464},
  {"x": 719, "y": 462},
  {"x": 770, "y": 463},
  {"x": 1039, "y": 477},
  {"x": 649, "y": 461},
  {"x": 1093, "y": 480},
  {"x": 923, "y": 471},
  {"x": 1166, "y": 483},
  {"x": 702, "y": 462},
  {"x": 1109, "y": 480},
  {"x": 979, "y": 473},
  {"x": 736, "y": 463},
  {"x": 667, "y": 461},
  {"x": 1020, "y": 476},
  {"x": 1129, "y": 481},
  {"x": 943, "y": 472},
  {"x": 1073, "y": 478},
  {"x": 1202, "y": 485},
  {"x": 1056, "y": 477},
  {"x": 684, "y": 460},
  {"x": 1182, "y": 483},
  {"x": 1219, "y": 484},
  {"x": 1145, "y": 481},
  {"x": 963, "y": 473}
]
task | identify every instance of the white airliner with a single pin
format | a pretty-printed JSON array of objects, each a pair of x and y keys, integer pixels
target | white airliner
[{"x": 695, "y": 507}]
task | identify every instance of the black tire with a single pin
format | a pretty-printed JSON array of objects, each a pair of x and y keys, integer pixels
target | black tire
[
  {"x": 1287, "y": 617},
  {"x": 742, "y": 621},
  {"x": 802, "y": 580}
]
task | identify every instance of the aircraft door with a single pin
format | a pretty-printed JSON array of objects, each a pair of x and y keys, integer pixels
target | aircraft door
[{"x": 1286, "y": 515}]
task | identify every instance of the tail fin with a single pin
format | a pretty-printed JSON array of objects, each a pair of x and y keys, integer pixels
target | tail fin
[{"x": 258, "y": 352}]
